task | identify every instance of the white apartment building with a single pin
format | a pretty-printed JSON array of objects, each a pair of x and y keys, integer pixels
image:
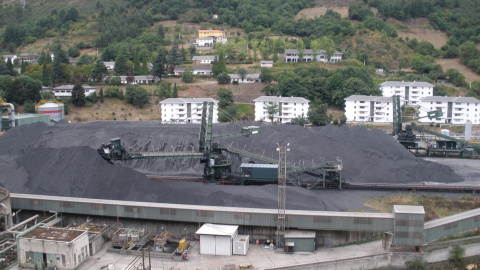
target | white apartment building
[
  {"x": 361, "y": 108},
  {"x": 186, "y": 110},
  {"x": 456, "y": 110},
  {"x": 288, "y": 108},
  {"x": 411, "y": 92}
]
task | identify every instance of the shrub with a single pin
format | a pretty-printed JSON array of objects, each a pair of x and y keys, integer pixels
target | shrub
[
  {"x": 417, "y": 264},
  {"x": 456, "y": 255}
]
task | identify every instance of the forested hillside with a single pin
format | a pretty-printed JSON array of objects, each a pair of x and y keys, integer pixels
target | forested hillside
[{"x": 153, "y": 37}]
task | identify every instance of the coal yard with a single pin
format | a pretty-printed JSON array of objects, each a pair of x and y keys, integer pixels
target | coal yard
[{"x": 63, "y": 161}]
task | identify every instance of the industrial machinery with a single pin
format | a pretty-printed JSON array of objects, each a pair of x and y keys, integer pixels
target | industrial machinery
[
  {"x": 217, "y": 167},
  {"x": 9, "y": 122},
  {"x": 445, "y": 145},
  {"x": 209, "y": 153}
]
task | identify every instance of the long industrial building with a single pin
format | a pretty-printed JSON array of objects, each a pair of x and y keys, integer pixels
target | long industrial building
[{"x": 405, "y": 223}]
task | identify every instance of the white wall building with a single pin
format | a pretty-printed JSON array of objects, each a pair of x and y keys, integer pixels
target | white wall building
[
  {"x": 186, "y": 110},
  {"x": 65, "y": 91},
  {"x": 411, "y": 92},
  {"x": 60, "y": 248},
  {"x": 361, "y": 108},
  {"x": 293, "y": 55},
  {"x": 217, "y": 239},
  {"x": 288, "y": 108},
  {"x": 456, "y": 110},
  {"x": 205, "y": 59},
  {"x": 249, "y": 78}
]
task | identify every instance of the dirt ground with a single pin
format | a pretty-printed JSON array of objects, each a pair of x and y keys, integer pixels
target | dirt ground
[
  {"x": 311, "y": 13},
  {"x": 469, "y": 74},
  {"x": 421, "y": 30},
  {"x": 114, "y": 109}
]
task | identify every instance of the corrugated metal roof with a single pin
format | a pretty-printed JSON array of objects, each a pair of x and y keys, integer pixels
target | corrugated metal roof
[
  {"x": 204, "y": 57},
  {"x": 187, "y": 100},
  {"x": 281, "y": 99},
  {"x": 450, "y": 99},
  {"x": 403, "y": 84},
  {"x": 300, "y": 234},
  {"x": 255, "y": 165},
  {"x": 217, "y": 229},
  {"x": 452, "y": 218},
  {"x": 408, "y": 209}
]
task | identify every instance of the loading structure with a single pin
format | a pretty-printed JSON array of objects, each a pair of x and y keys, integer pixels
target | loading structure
[
  {"x": 445, "y": 145},
  {"x": 217, "y": 167},
  {"x": 9, "y": 122}
]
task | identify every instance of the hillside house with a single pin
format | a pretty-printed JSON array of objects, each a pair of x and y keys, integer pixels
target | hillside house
[
  {"x": 211, "y": 33},
  {"x": 196, "y": 70},
  {"x": 12, "y": 57},
  {"x": 65, "y": 91},
  {"x": 207, "y": 59},
  {"x": 140, "y": 79},
  {"x": 266, "y": 63},
  {"x": 411, "y": 92},
  {"x": 110, "y": 65},
  {"x": 249, "y": 78},
  {"x": 293, "y": 56},
  {"x": 186, "y": 110},
  {"x": 288, "y": 108}
]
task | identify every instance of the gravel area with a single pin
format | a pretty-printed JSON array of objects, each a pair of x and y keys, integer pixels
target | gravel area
[{"x": 63, "y": 161}]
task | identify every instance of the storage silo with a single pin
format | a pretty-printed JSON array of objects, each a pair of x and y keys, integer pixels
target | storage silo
[{"x": 54, "y": 110}]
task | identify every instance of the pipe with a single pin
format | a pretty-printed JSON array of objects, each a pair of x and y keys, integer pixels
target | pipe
[
  {"x": 21, "y": 223},
  {"x": 11, "y": 114}
]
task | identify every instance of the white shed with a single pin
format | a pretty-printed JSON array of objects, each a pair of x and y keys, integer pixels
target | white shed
[{"x": 217, "y": 239}]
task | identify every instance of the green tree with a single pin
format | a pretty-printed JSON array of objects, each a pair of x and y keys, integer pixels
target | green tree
[
  {"x": 121, "y": 64},
  {"x": 456, "y": 255},
  {"x": 10, "y": 67},
  {"x": 272, "y": 110},
  {"x": 29, "y": 106},
  {"x": 467, "y": 51},
  {"x": 225, "y": 97},
  {"x": 102, "y": 98},
  {"x": 173, "y": 57},
  {"x": 228, "y": 114},
  {"x": 242, "y": 72},
  {"x": 300, "y": 120},
  {"x": 78, "y": 95},
  {"x": 98, "y": 71},
  {"x": 116, "y": 81},
  {"x": 221, "y": 63},
  {"x": 159, "y": 62},
  {"x": 187, "y": 75},
  {"x": 300, "y": 48},
  {"x": 137, "y": 96},
  {"x": 45, "y": 76},
  {"x": 137, "y": 67},
  {"x": 223, "y": 78},
  {"x": 16, "y": 92},
  {"x": 58, "y": 72},
  {"x": 175, "y": 91},
  {"x": 266, "y": 75},
  {"x": 318, "y": 115},
  {"x": 417, "y": 264}
]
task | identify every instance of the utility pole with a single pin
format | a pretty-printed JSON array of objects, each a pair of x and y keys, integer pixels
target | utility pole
[{"x": 282, "y": 194}]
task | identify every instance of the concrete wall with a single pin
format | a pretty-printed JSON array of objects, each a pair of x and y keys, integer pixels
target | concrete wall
[{"x": 365, "y": 262}]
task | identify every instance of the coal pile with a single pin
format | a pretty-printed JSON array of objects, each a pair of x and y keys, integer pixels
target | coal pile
[{"x": 62, "y": 161}]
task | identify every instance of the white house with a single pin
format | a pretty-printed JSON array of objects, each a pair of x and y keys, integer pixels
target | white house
[
  {"x": 217, "y": 239},
  {"x": 53, "y": 247},
  {"x": 292, "y": 55},
  {"x": 186, "y": 110},
  {"x": 266, "y": 63},
  {"x": 288, "y": 108},
  {"x": 205, "y": 41},
  {"x": 140, "y": 79},
  {"x": 361, "y": 108},
  {"x": 456, "y": 110},
  {"x": 65, "y": 91},
  {"x": 12, "y": 57},
  {"x": 249, "y": 78},
  {"x": 206, "y": 59},
  {"x": 411, "y": 92},
  {"x": 110, "y": 65}
]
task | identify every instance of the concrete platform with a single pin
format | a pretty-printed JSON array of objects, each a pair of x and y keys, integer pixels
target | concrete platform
[{"x": 259, "y": 256}]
